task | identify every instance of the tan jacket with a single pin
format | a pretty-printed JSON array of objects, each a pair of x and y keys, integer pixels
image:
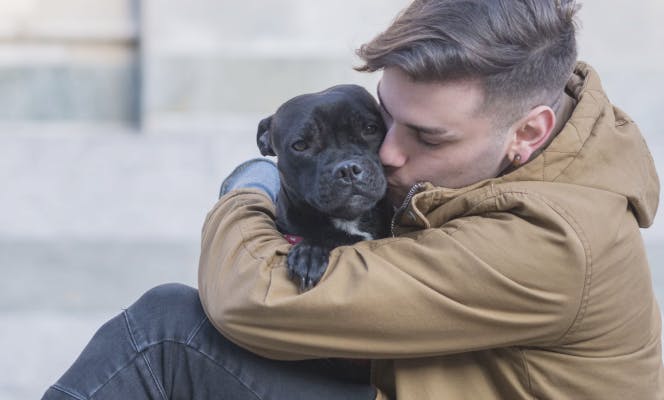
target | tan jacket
[{"x": 533, "y": 285}]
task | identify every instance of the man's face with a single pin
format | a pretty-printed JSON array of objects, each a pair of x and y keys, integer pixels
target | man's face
[{"x": 436, "y": 134}]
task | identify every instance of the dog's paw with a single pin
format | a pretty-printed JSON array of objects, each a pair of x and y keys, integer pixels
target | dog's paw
[{"x": 307, "y": 264}]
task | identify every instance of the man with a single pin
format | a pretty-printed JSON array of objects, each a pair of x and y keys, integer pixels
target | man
[{"x": 516, "y": 270}]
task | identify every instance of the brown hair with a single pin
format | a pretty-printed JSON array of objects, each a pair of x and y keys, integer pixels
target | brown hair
[{"x": 522, "y": 51}]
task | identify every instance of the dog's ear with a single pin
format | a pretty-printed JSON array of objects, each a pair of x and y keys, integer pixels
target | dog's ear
[{"x": 263, "y": 137}]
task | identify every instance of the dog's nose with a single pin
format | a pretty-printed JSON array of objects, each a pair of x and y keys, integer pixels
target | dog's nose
[{"x": 348, "y": 171}]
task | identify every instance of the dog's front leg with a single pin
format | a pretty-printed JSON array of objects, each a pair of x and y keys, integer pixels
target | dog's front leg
[{"x": 307, "y": 263}]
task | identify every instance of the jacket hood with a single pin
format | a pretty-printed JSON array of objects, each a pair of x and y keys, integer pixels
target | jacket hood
[{"x": 599, "y": 147}]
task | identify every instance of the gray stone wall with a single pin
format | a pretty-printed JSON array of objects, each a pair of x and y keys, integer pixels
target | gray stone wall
[
  {"x": 92, "y": 216},
  {"x": 213, "y": 66},
  {"x": 210, "y": 62},
  {"x": 69, "y": 61},
  {"x": 624, "y": 41}
]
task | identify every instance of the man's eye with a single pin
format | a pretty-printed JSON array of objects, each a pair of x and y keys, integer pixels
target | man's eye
[
  {"x": 427, "y": 143},
  {"x": 300, "y": 145},
  {"x": 430, "y": 145}
]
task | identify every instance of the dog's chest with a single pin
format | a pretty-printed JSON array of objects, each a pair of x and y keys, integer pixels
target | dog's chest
[{"x": 352, "y": 228}]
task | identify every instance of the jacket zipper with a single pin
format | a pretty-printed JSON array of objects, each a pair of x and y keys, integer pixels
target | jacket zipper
[{"x": 397, "y": 214}]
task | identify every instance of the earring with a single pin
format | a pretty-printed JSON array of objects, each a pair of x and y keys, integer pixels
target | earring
[{"x": 516, "y": 161}]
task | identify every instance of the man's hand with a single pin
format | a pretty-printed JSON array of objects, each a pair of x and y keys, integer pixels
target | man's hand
[{"x": 257, "y": 173}]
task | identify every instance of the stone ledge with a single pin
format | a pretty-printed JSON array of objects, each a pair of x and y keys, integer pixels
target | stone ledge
[
  {"x": 69, "y": 20},
  {"x": 66, "y": 31},
  {"x": 76, "y": 92},
  {"x": 215, "y": 85}
]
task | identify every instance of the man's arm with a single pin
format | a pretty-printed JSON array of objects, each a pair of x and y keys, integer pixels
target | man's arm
[{"x": 458, "y": 288}]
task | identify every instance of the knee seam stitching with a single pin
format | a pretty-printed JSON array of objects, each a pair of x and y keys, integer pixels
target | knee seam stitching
[
  {"x": 131, "y": 334},
  {"x": 142, "y": 353},
  {"x": 114, "y": 374},
  {"x": 214, "y": 361},
  {"x": 160, "y": 388},
  {"x": 67, "y": 392},
  {"x": 187, "y": 341},
  {"x": 132, "y": 360},
  {"x": 195, "y": 331}
]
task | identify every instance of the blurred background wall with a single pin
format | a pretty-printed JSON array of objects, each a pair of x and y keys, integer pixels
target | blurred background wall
[
  {"x": 69, "y": 61},
  {"x": 119, "y": 118}
]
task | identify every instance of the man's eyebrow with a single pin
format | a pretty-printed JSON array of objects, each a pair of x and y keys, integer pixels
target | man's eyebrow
[{"x": 417, "y": 128}]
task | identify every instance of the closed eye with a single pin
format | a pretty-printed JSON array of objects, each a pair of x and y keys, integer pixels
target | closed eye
[{"x": 427, "y": 143}]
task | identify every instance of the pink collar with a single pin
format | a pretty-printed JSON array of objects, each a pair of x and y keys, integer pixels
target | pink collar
[{"x": 293, "y": 239}]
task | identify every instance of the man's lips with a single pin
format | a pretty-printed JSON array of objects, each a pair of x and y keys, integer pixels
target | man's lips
[{"x": 394, "y": 186}]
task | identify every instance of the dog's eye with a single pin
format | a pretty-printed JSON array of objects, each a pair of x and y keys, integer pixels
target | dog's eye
[
  {"x": 300, "y": 145},
  {"x": 370, "y": 129}
]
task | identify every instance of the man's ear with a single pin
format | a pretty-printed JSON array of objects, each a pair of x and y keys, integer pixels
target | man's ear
[
  {"x": 263, "y": 137},
  {"x": 532, "y": 132}
]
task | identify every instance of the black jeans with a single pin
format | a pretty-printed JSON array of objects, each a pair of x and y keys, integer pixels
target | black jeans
[{"x": 164, "y": 347}]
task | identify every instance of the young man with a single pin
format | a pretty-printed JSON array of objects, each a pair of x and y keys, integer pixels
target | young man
[{"x": 516, "y": 270}]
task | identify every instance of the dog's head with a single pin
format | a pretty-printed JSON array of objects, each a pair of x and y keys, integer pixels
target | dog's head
[{"x": 327, "y": 146}]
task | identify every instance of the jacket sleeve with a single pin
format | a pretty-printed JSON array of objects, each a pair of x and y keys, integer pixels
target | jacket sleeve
[{"x": 472, "y": 284}]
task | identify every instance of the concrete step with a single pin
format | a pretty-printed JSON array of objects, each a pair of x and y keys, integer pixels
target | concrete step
[
  {"x": 41, "y": 348},
  {"x": 69, "y": 20},
  {"x": 195, "y": 26},
  {"x": 60, "y": 293},
  {"x": 90, "y": 182},
  {"x": 69, "y": 60},
  {"x": 186, "y": 90},
  {"x": 89, "y": 276},
  {"x": 83, "y": 92},
  {"x": 205, "y": 59}
]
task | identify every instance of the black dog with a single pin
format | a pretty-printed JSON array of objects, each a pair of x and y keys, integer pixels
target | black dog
[{"x": 332, "y": 181}]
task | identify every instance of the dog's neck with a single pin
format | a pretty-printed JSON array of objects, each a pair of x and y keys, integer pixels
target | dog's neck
[{"x": 292, "y": 208}]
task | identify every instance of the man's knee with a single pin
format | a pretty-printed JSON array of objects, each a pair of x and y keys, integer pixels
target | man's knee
[
  {"x": 167, "y": 312},
  {"x": 170, "y": 296}
]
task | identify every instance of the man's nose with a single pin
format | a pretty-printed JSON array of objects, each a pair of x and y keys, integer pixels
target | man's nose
[{"x": 391, "y": 152}]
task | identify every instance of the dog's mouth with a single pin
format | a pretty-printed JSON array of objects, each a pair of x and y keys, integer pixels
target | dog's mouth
[
  {"x": 350, "y": 202},
  {"x": 353, "y": 207},
  {"x": 361, "y": 201}
]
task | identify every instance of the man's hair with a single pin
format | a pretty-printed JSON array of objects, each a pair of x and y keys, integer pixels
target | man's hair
[{"x": 521, "y": 51}]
